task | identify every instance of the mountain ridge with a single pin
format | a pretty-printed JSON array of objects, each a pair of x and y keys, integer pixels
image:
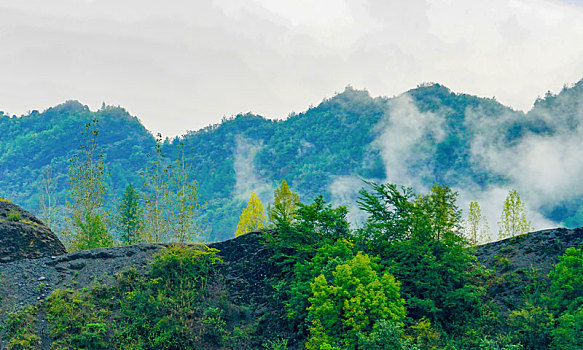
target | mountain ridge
[{"x": 349, "y": 136}]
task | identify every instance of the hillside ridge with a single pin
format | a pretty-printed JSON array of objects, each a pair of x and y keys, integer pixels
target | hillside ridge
[{"x": 347, "y": 137}]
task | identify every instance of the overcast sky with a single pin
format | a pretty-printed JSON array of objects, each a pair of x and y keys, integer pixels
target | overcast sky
[{"x": 181, "y": 65}]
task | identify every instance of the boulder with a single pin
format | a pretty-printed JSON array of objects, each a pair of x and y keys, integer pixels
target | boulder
[{"x": 23, "y": 236}]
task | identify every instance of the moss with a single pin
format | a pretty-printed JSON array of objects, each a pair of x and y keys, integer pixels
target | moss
[{"x": 28, "y": 222}]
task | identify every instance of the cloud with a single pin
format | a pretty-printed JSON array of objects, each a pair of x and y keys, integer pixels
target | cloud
[
  {"x": 407, "y": 140},
  {"x": 545, "y": 168},
  {"x": 344, "y": 192},
  {"x": 247, "y": 179}
]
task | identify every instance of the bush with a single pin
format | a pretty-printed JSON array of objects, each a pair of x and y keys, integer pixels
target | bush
[
  {"x": 13, "y": 215},
  {"x": 502, "y": 263},
  {"x": 78, "y": 318},
  {"x": 568, "y": 335},
  {"x": 172, "y": 309}
]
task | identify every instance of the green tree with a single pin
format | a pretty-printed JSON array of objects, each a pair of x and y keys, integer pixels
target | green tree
[
  {"x": 352, "y": 304},
  {"x": 252, "y": 218},
  {"x": 87, "y": 186},
  {"x": 130, "y": 216},
  {"x": 285, "y": 204},
  {"x": 476, "y": 225},
  {"x": 184, "y": 200},
  {"x": 298, "y": 289},
  {"x": 419, "y": 239},
  {"x": 316, "y": 224},
  {"x": 513, "y": 220},
  {"x": 313, "y": 243},
  {"x": 566, "y": 291},
  {"x": 157, "y": 195}
]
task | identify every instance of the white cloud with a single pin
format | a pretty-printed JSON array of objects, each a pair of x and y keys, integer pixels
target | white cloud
[
  {"x": 344, "y": 192},
  {"x": 247, "y": 179},
  {"x": 545, "y": 168},
  {"x": 406, "y": 140}
]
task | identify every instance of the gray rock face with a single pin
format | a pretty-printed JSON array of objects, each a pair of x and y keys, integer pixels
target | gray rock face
[{"x": 23, "y": 236}]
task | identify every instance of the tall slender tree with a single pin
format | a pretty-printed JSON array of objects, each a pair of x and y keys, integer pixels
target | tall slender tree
[
  {"x": 156, "y": 195},
  {"x": 87, "y": 186},
  {"x": 171, "y": 198},
  {"x": 252, "y": 218},
  {"x": 476, "y": 226},
  {"x": 130, "y": 217},
  {"x": 47, "y": 201},
  {"x": 513, "y": 220},
  {"x": 185, "y": 200},
  {"x": 285, "y": 204}
]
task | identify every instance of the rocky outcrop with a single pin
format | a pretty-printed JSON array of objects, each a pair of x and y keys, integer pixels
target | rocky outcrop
[
  {"x": 538, "y": 250},
  {"x": 23, "y": 236},
  {"x": 25, "y": 282},
  {"x": 245, "y": 270},
  {"x": 519, "y": 261}
]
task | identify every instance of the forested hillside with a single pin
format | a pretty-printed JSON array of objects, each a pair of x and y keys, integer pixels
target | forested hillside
[{"x": 424, "y": 136}]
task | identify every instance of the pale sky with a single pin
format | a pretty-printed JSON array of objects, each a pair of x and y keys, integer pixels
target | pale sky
[{"x": 180, "y": 65}]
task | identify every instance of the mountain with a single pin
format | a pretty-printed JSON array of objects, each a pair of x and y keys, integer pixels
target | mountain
[
  {"x": 47, "y": 141},
  {"x": 428, "y": 134}
]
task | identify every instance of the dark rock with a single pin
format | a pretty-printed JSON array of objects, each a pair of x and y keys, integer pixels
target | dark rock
[
  {"x": 518, "y": 260},
  {"x": 23, "y": 236},
  {"x": 76, "y": 266},
  {"x": 539, "y": 250}
]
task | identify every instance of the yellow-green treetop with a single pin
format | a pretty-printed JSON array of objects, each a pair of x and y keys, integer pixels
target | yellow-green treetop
[
  {"x": 285, "y": 203},
  {"x": 252, "y": 218},
  {"x": 513, "y": 221},
  {"x": 476, "y": 227}
]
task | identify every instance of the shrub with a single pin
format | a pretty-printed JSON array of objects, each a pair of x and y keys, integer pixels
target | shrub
[
  {"x": 502, "y": 263},
  {"x": 352, "y": 304},
  {"x": 171, "y": 309},
  {"x": 20, "y": 330},
  {"x": 13, "y": 215}
]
